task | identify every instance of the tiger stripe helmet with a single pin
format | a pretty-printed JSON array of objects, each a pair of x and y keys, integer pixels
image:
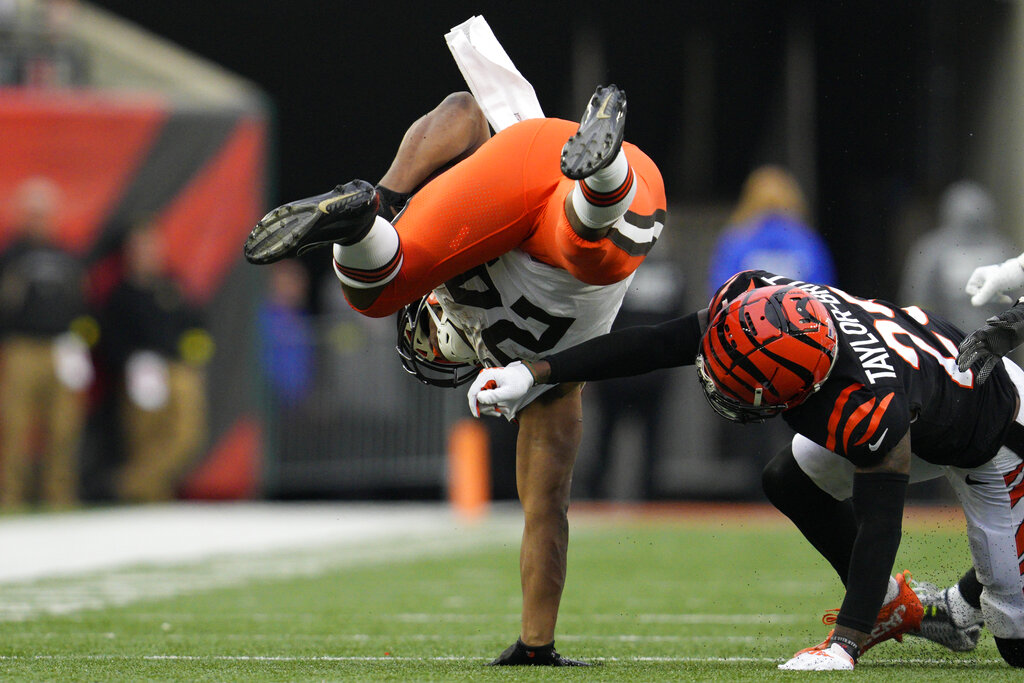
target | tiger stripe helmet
[{"x": 765, "y": 352}]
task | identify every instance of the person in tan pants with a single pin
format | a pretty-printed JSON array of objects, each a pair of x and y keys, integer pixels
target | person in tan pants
[
  {"x": 154, "y": 335},
  {"x": 44, "y": 364}
]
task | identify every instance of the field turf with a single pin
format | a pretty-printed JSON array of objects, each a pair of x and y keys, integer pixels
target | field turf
[{"x": 689, "y": 594}]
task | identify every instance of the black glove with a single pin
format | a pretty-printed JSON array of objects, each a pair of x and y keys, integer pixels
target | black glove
[
  {"x": 519, "y": 654},
  {"x": 1000, "y": 335}
]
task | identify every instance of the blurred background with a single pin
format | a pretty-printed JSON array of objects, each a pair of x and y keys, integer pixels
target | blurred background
[{"x": 874, "y": 145}]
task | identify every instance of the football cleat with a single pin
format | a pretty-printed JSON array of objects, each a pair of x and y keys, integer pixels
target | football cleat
[
  {"x": 950, "y": 623},
  {"x": 900, "y": 615},
  {"x": 520, "y": 654},
  {"x": 832, "y": 658},
  {"x": 345, "y": 215},
  {"x": 599, "y": 138}
]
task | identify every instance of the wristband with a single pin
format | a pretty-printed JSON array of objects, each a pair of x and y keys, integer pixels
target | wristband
[
  {"x": 528, "y": 364},
  {"x": 852, "y": 648}
]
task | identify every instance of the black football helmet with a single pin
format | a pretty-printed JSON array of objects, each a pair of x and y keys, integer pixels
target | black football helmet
[{"x": 432, "y": 347}]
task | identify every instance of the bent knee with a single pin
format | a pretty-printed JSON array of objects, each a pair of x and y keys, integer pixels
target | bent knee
[{"x": 463, "y": 106}]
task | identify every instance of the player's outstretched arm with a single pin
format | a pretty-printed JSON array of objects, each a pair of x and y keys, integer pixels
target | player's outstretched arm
[
  {"x": 990, "y": 283},
  {"x": 1001, "y": 334},
  {"x": 623, "y": 353}
]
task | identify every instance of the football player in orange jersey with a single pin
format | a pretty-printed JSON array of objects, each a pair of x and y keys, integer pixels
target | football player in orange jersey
[{"x": 523, "y": 247}]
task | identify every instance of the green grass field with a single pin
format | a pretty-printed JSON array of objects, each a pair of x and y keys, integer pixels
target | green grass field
[{"x": 702, "y": 594}]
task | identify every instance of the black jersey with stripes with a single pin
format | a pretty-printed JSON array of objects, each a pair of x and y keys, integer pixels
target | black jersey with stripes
[{"x": 895, "y": 370}]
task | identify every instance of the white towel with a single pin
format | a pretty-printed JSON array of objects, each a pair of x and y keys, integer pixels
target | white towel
[{"x": 502, "y": 92}]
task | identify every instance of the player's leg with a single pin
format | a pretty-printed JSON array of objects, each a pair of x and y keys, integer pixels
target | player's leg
[
  {"x": 550, "y": 430},
  {"x": 476, "y": 211},
  {"x": 450, "y": 132},
  {"x": 441, "y": 138},
  {"x": 994, "y": 527},
  {"x": 585, "y": 228},
  {"x": 812, "y": 486},
  {"x": 820, "y": 508},
  {"x": 593, "y": 157}
]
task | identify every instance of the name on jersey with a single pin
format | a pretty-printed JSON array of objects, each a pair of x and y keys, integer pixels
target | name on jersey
[{"x": 871, "y": 351}]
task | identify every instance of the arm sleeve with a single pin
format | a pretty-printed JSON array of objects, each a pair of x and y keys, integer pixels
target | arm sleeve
[
  {"x": 629, "y": 351},
  {"x": 878, "y": 510}
]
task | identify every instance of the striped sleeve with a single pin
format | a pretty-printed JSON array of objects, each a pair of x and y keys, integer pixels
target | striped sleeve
[{"x": 865, "y": 424}]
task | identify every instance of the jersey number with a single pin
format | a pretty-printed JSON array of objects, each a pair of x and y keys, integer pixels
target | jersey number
[
  {"x": 502, "y": 330},
  {"x": 890, "y": 331}
]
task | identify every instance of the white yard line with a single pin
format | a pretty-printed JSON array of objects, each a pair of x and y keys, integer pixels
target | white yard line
[{"x": 943, "y": 663}]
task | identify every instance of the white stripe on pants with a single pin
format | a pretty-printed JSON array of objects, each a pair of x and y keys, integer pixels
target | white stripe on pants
[{"x": 993, "y": 523}]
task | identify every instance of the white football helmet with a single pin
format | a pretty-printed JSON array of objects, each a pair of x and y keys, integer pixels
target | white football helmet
[{"x": 432, "y": 347}]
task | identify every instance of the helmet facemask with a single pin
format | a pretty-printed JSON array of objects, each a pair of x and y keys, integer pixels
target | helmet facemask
[{"x": 432, "y": 347}]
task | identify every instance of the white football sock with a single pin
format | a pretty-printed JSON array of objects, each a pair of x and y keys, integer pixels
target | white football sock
[
  {"x": 372, "y": 261},
  {"x": 602, "y": 198}
]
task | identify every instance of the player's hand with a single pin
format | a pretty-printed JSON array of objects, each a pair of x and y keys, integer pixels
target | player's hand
[
  {"x": 498, "y": 385},
  {"x": 1001, "y": 334},
  {"x": 990, "y": 283}
]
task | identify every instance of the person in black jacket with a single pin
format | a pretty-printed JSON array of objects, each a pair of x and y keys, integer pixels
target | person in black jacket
[
  {"x": 44, "y": 360},
  {"x": 155, "y": 337}
]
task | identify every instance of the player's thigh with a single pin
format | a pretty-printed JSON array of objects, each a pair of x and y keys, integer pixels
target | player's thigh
[
  {"x": 833, "y": 473},
  {"x": 550, "y": 431},
  {"x": 993, "y": 527}
]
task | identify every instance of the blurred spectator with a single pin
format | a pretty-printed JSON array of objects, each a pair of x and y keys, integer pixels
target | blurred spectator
[
  {"x": 45, "y": 360},
  {"x": 156, "y": 339},
  {"x": 37, "y": 47},
  {"x": 655, "y": 295},
  {"x": 942, "y": 260},
  {"x": 287, "y": 335},
  {"x": 769, "y": 230}
]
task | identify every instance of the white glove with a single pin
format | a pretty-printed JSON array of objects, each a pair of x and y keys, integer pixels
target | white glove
[
  {"x": 147, "y": 380},
  {"x": 498, "y": 385},
  {"x": 72, "y": 362},
  {"x": 991, "y": 282},
  {"x": 832, "y": 658}
]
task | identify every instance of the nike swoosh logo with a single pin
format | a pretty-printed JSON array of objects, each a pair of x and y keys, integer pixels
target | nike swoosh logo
[
  {"x": 878, "y": 442},
  {"x": 972, "y": 482},
  {"x": 601, "y": 113},
  {"x": 327, "y": 203}
]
